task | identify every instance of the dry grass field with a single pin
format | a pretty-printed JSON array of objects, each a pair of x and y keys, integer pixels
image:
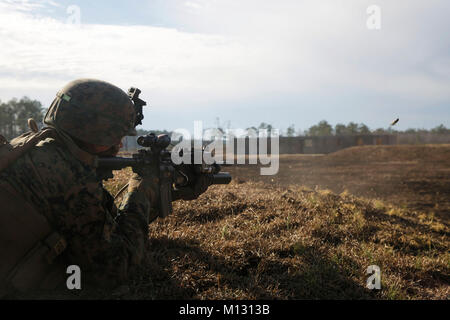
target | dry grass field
[
  {"x": 309, "y": 232},
  {"x": 413, "y": 177}
]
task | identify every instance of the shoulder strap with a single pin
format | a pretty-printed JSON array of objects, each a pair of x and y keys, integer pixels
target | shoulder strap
[{"x": 10, "y": 152}]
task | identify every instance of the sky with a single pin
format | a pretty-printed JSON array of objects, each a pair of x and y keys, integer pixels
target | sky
[{"x": 239, "y": 62}]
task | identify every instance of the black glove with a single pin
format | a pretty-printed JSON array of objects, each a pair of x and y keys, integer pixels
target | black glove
[{"x": 195, "y": 189}]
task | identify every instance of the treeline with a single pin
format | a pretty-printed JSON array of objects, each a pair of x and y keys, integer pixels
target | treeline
[
  {"x": 142, "y": 132},
  {"x": 15, "y": 113},
  {"x": 323, "y": 128}
]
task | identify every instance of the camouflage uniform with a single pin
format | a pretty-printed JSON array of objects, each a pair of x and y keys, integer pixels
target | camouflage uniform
[
  {"x": 103, "y": 241},
  {"x": 60, "y": 181}
]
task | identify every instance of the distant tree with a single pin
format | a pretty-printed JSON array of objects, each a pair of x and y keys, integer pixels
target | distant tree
[
  {"x": 142, "y": 132},
  {"x": 15, "y": 113},
  {"x": 380, "y": 131},
  {"x": 252, "y": 128},
  {"x": 6, "y": 121},
  {"x": 363, "y": 129},
  {"x": 340, "y": 129},
  {"x": 352, "y": 128},
  {"x": 440, "y": 129},
  {"x": 422, "y": 131},
  {"x": 262, "y": 125},
  {"x": 291, "y": 131},
  {"x": 323, "y": 128},
  {"x": 266, "y": 126}
]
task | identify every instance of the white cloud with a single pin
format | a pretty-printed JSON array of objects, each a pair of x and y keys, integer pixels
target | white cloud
[
  {"x": 193, "y": 5},
  {"x": 241, "y": 49},
  {"x": 40, "y": 52},
  {"x": 27, "y": 5}
]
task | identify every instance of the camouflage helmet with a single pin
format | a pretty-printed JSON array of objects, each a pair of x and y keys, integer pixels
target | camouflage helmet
[{"x": 93, "y": 111}]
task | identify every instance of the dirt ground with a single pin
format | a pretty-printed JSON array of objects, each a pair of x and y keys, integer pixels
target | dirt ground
[{"x": 413, "y": 177}]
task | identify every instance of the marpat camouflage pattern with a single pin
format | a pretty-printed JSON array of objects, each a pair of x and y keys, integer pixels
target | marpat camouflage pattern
[{"x": 60, "y": 181}]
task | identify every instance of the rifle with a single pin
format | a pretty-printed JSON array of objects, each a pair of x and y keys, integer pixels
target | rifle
[{"x": 154, "y": 153}]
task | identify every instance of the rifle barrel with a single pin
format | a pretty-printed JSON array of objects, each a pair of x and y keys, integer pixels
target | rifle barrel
[
  {"x": 118, "y": 163},
  {"x": 221, "y": 178}
]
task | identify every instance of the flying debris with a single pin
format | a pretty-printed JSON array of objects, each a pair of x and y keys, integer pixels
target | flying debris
[{"x": 395, "y": 122}]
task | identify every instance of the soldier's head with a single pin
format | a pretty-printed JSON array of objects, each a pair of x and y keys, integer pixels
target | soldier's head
[{"x": 95, "y": 113}]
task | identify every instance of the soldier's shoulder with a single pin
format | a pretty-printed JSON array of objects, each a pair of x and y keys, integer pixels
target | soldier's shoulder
[
  {"x": 51, "y": 148},
  {"x": 57, "y": 166},
  {"x": 51, "y": 153}
]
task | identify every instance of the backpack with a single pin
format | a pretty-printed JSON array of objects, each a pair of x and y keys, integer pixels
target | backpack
[{"x": 28, "y": 245}]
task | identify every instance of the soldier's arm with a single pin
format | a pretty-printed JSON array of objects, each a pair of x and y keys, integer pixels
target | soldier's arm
[{"x": 103, "y": 242}]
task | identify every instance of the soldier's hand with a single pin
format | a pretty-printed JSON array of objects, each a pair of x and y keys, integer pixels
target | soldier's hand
[
  {"x": 195, "y": 189},
  {"x": 147, "y": 184}
]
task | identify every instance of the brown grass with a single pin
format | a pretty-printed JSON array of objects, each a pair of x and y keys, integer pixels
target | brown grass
[
  {"x": 252, "y": 240},
  {"x": 309, "y": 232},
  {"x": 412, "y": 177}
]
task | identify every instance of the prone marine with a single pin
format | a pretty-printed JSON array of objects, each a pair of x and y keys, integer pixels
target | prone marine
[{"x": 55, "y": 211}]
